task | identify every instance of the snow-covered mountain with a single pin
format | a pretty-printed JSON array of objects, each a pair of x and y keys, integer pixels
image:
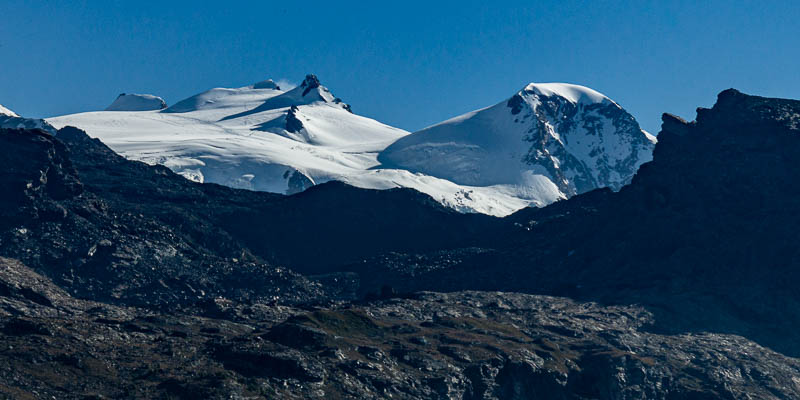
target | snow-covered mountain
[
  {"x": 10, "y": 120},
  {"x": 261, "y": 137},
  {"x": 137, "y": 102},
  {"x": 256, "y": 137},
  {"x": 546, "y": 142}
]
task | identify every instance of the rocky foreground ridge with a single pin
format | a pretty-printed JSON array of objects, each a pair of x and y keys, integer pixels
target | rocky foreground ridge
[
  {"x": 123, "y": 280},
  {"x": 467, "y": 345}
]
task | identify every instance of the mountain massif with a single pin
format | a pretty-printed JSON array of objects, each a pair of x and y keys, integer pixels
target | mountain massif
[
  {"x": 121, "y": 279},
  {"x": 546, "y": 143},
  {"x": 548, "y": 140}
]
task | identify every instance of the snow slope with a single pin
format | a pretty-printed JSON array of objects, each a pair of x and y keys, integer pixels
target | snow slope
[
  {"x": 137, "y": 102},
  {"x": 260, "y": 137},
  {"x": 548, "y": 141},
  {"x": 7, "y": 112}
]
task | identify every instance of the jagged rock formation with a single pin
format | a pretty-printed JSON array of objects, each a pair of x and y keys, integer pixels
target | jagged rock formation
[{"x": 109, "y": 248}]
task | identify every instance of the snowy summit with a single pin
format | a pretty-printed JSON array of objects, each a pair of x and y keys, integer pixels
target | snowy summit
[
  {"x": 7, "y": 112},
  {"x": 545, "y": 143},
  {"x": 10, "y": 120},
  {"x": 548, "y": 141},
  {"x": 137, "y": 102}
]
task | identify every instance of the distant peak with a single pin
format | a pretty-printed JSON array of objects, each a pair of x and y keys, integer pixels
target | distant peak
[
  {"x": 311, "y": 82},
  {"x": 267, "y": 84},
  {"x": 137, "y": 102},
  {"x": 573, "y": 93},
  {"x": 5, "y": 111}
]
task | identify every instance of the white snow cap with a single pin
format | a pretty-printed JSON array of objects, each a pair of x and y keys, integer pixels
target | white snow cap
[
  {"x": 267, "y": 84},
  {"x": 5, "y": 111},
  {"x": 574, "y": 93},
  {"x": 137, "y": 102}
]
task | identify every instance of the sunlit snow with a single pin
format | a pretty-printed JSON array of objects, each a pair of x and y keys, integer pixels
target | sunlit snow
[{"x": 260, "y": 137}]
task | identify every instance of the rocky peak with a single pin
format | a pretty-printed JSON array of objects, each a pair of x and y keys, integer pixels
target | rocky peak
[{"x": 311, "y": 82}]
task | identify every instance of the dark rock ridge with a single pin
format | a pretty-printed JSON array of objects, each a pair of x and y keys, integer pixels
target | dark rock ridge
[
  {"x": 101, "y": 240},
  {"x": 114, "y": 230},
  {"x": 311, "y": 82},
  {"x": 293, "y": 124}
]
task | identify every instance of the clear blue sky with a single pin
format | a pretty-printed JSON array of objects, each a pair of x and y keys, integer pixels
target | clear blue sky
[{"x": 409, "y": 64}]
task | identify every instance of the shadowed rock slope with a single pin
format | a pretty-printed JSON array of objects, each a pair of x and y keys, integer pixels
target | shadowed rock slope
[{"x": 110, "y": 229}]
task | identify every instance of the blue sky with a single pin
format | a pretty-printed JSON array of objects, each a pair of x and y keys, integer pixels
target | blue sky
[{"x": 409, "y": 64}]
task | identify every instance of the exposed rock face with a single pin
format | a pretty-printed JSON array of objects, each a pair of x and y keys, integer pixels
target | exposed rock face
[
  {"x": 109, "y": 248},
  {"x": 37, "y": 174},
  {"x": 116, "y": 230},
  {"x": 311, "y": 82},
  {"x": 293, "y": 124},
  {"x": 583, "y": 145}
]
